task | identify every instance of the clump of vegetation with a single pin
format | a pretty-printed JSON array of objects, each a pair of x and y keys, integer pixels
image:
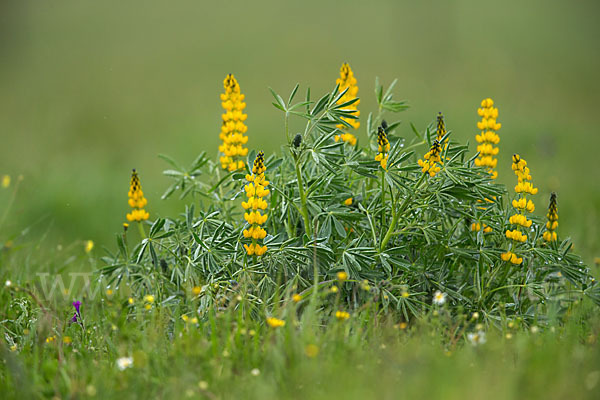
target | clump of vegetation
[{"x": 407, "y": 214}]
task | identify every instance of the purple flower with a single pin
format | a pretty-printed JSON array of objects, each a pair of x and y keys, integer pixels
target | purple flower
[
  {"x": 76, "y": 304},
  {"x": 77, "y": 314}
]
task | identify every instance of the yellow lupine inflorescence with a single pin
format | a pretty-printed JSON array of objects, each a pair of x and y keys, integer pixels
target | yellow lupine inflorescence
[
  {"x": 441, "y": 130},
  {"x": 552, "y": 224},
  {"x": 233, "y": 128},
  {"x": 521, "y": 204},
  {"x": 348, "y": 81},
  {"x": 488, "y": 137},
  {"x": 383, "y": 147},
  {"x": 137, "y": 201},
  {"x": 256, "y": 191},
  {"x": 433, "y": 160}
]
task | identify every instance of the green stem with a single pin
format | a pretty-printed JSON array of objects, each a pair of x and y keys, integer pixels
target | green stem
[
  {"x": 396, "y": 216},
  {"x": 383, "y": 197},
  {"x": 303, "y": 208},
  {"x": 141, "y": 230}
]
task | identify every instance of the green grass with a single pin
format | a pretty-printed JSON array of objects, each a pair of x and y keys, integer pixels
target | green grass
[{"x": 228, "y": 355}]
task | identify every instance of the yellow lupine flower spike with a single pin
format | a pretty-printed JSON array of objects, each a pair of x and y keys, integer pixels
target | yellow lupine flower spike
[
  {"x": 488, "y": 137},
  {"x": 137, "y": 201},
  {"x": 441, "y": 130},
  {"x": 552, "y": 224},
  {"x": 348, "y": 81},
  {"x": 383, "y": 147},
  {"x": 255, "y": 191},
  {"x": 520, "y": 204},
  {"x": 433, "y": 160},
  {"x": 233, "y": 127}
]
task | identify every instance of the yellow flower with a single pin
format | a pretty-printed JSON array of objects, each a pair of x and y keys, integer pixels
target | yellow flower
[
  {"x": 233, "y": 127},
  {"x": 334, "y": 289},
  {"x": 5, "y": 181},
  {"x": 137, "y": 201},
  {"x": 149, "y": 298},
  {"x": 89, "y": 245},
  {"x": 185, "y": 318},
  {"x": 433, "y": 160},
  {"x": 296, "y": 298},
  {"x": 342, "y": 275},
  {"x": 342, "y": 315},
  {"x": 67, "y": 340},
  {"x": 130, "y": 300},
  {"x": 348, "y": 201},
  {"x": 488, "y": 137},
  {"x": 50, "y": 339},
  {"x": 311, "y": 350},
  {"x": 275, "y": 322},
  {"x": 256, "y": 191},
  {"x": 348, "y": 81},
  {"x": 109, "y": 292},
  {"x": 552, "y": 216},
  {"x": 520, "y": 204},
  {"x": 383, "y": 147},
  {"x": 196, "y": 290}
]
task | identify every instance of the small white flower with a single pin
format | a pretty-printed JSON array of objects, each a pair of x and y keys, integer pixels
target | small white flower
[
  {"x": 439, "y": 298},
  {"x": 7, "y": 283},
  {"x": 124, "y": 363},
  {"x": 534, "y": 329},
  {"x": 255, "y": 372},
  {"x": 476, "y": 338}
]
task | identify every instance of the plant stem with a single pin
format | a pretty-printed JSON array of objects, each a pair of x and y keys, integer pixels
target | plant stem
[
  {"x": 396, "y": 216},
  {"x": 141, "y": 230},
  {"x": 383, "y": 197},
  {"x": 303, "y": 209}
]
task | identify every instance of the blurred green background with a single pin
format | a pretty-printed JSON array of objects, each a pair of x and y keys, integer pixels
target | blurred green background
[{"x": 89, "y": 90}]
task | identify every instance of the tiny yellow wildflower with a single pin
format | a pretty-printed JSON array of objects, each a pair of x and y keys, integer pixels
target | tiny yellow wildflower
[
  {"x": 89, "y": 245},
  {"x": 311, "y": 350},
  {"x": 342, "y": 276},
  {"x": 275, "y": 322},
  {"x": 296, "y": 298},
  {"x": 149, "y": 298},
  {"x": 5, "y": 181},
  {"x": 348, "y": 201},
  {"x": 196, "y": 290},
  {"x": 342, "y": 315}
]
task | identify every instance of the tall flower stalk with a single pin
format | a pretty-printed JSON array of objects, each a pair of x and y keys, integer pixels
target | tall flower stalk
[
  {"x": 137, "y": 202},
  {"x": 552, "y": 224},
  {"x": 256, "y": 206},
  {"x": 348, "y": 81},
  {"x": 488, "y": 137},
  {"x": 521, "y": 205},
  {"x": 233, "y": 127}
]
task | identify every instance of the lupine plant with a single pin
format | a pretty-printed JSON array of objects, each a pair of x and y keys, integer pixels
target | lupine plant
[{"x": 407, "y": 218}]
